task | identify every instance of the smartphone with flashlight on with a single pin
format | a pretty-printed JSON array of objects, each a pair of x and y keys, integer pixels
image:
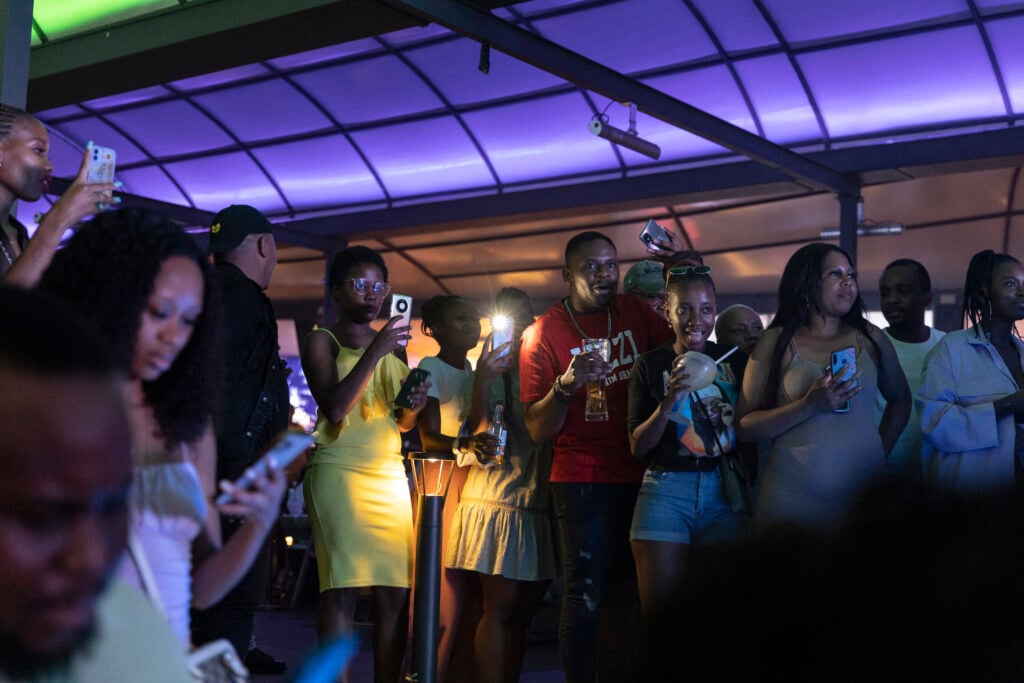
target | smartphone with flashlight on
[
  {"x": 102, "y": 161},
  {"x": 652, "y": 231},
  {"x": 402, "y": 305},
  {"x": 278, "y": 455},
  {"x": 501, "y": 328}
]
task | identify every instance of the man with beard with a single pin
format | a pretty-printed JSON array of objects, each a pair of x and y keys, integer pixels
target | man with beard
[
  {"x": 66, "y": 461},
  {"x": 594, "y": 479},
  {"x": 905, "y": 291},
  {"x": 255, "y": 407}
]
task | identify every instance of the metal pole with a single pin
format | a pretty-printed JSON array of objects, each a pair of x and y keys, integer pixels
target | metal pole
[
  {"x": 427, "y": 601},
  {"x": 848, "y": 220}
]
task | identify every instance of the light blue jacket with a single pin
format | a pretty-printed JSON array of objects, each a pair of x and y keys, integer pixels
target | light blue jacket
[{"x": 967, "y": 450}]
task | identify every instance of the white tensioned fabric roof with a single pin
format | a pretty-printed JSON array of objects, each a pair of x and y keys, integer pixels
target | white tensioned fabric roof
[{"x": 469, "y": 181}]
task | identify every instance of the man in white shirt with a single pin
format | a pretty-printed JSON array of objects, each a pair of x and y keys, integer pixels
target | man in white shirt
[{"x": 905, "y": 291}]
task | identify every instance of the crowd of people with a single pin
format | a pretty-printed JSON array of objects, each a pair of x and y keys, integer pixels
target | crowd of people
[{"x": 147, "y": 372}]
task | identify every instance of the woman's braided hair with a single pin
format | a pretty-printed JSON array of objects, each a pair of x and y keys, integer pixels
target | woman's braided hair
[
  {"x": 977, "y": 309},
  {"x": 433, "y": 310},
  {"x": 9, "y": 115}
]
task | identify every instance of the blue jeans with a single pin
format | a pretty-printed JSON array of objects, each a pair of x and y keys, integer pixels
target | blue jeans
[{"x": 600, "y": 598}]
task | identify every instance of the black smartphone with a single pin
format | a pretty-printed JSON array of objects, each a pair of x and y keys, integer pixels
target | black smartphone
[
  {"x": 416, "y": 377},
  {"x": 278, "y": 455},
  {"x": 844, "y": 360}
]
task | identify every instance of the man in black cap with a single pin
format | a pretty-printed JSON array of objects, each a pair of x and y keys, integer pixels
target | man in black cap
[{"x": 255, "y": 406}]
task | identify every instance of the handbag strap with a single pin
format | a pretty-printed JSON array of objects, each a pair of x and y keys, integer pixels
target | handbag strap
[{"x": 149, "y": 587}]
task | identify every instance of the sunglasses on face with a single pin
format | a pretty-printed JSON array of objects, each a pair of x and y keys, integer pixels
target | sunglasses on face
[
  {"x": 361, "y": 285},
  {"x": 681, "y": 271}
]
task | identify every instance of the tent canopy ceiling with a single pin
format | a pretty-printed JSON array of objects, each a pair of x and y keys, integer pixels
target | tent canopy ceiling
[{"x": 374, "y": 122}]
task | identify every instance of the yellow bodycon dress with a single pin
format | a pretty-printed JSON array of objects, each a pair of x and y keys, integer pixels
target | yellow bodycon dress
[{"x": 356, "y": 490}]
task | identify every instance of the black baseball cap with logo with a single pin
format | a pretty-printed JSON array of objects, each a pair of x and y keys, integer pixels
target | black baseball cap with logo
[{"x": 234, "y": 224}]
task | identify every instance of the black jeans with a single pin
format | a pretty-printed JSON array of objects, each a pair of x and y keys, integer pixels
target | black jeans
[{"x": 599, "y": 606}]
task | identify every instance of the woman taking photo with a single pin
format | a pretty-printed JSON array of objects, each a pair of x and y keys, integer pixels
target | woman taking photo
[
  {"x": 454, "y": 323},
  {"x": 825, "y": 445},
  {"x": 682, "y": 434},
  {"x": 971, "y": 398},
  {"x": 502, "y": 530},
  {"x": 356, "y": 490},
  {"x": 147, "y": 285},
  {"x": 25, "y": 174}
]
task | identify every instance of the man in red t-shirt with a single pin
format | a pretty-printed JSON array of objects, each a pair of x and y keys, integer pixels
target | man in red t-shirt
[{"x": 594, "y": 479}]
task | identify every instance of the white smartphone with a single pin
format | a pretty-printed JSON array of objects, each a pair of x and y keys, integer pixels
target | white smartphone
[
  {"x": 278, "y": 455},
  {"x": 102, "y": 161},
  {"x": 653, "y": 231},
  {"x": 402, "y": 305},
  {"x": 502, "y": 327}
]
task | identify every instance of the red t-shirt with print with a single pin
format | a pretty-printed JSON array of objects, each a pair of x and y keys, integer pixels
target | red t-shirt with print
[{"x": 591, "y": 452}]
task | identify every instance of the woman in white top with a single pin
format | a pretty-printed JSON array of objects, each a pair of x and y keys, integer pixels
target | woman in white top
[
  {"x": 454, "y": 323},
  {"x": 147, "y": 285}
]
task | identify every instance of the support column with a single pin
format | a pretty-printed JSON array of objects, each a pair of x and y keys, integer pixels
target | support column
[
  {"x": 15, "y": 44},
  {"x": 849, "y": 218}
]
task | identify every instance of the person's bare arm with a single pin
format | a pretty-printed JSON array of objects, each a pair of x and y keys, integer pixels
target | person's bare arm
[
  {"x": 489, "y": 368},
  {"x": 754, "y": 423},
  {"x": 337, "y": 396},
  {"x": 546, "y": 417},
  {"x": 646, "y": 436},
  {"x": 80, "y": 200},
  {"x": 892, "y": 384}
]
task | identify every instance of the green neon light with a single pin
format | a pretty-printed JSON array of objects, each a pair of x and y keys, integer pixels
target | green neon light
[{"x": 61, "y": 18}]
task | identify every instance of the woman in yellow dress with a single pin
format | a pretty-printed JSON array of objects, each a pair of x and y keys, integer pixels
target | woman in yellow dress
[{"x": 356, "y": 489}]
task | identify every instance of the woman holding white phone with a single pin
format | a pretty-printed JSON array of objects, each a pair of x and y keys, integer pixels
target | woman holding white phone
[
  {"x": 356, "y": 489},
  {"x": 147, "y": 285},
  {"x": 820, "y": 459},
  {"x": 25, "y": 171}
]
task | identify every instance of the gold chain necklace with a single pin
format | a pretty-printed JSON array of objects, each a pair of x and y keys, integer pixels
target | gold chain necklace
[{"x": 584, "y": 335}]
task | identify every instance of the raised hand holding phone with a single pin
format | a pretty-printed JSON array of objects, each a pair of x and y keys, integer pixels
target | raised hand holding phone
[
  {"x": 502, "y": 328},
  {"x": 417, "y": 376},
  {"x": 401, "y": 306},
  {"x": 102, "y": 161},
  {"x": 278, "y": 455}
]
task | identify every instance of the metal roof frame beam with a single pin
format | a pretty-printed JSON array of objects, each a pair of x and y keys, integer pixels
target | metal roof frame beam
[
  {"x": 197, "y": 38},
  {"x": 544, "y": 54},
  {"x": 992, "y": 149}
]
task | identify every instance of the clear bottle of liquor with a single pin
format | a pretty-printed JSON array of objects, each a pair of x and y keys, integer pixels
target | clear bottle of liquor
[{"x": 498, "y": 430}]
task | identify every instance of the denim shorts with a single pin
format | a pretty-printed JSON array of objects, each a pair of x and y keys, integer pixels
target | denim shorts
[{"x": 683, "y": 507}]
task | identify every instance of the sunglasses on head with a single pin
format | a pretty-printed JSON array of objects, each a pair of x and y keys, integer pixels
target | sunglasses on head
[
  {"x": 681, "y": 271},
  {"x": 360, "y": 285}
]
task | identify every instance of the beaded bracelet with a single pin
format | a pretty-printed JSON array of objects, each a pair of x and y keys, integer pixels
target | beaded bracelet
[{"x": 562, "y": 395}]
